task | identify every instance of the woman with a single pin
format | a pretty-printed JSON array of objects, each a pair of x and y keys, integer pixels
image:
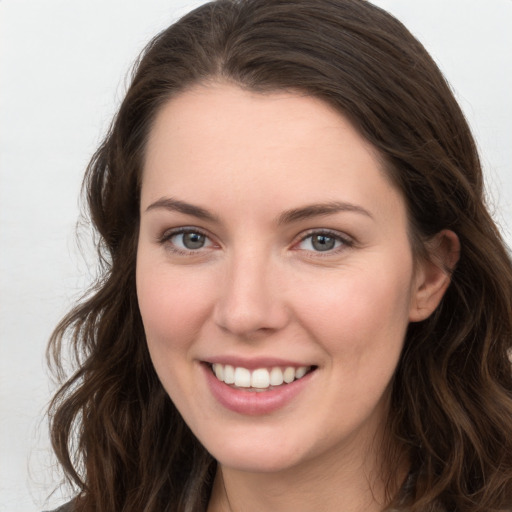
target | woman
[{"x": 305, "y": 303}]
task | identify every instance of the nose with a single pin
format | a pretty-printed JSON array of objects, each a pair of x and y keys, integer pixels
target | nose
[{"x": 251, "y": 301}]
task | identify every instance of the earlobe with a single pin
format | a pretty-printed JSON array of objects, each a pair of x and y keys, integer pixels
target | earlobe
[{"x": 433, "y": 275}]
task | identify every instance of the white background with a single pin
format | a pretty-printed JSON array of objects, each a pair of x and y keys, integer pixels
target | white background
[{"x": 63, "y": 68}]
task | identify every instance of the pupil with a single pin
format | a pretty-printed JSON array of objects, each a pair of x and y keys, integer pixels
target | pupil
[
  {"x": 323, "y": 242},
  {"x": 193, "y": 240}
]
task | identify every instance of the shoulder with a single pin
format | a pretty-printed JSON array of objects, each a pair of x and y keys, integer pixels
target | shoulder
[{"x": 68, "y": 507}]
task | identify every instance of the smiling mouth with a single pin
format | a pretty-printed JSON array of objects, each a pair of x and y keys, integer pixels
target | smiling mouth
[{"x": 260, "y": 379}]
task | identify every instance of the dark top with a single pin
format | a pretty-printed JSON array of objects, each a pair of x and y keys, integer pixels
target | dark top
[{"x": 68, "y": 507}]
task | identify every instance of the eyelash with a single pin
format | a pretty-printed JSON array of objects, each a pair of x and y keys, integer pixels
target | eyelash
[
  {"x": 344, "y": 241},
  {"x": 165, "y": 239}
]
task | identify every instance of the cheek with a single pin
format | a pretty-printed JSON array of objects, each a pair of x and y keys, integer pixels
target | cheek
[
  {"x": 360, "y": 314},
  {"x": 172, "y": 311},
  {"x": 173, "y": 308},
  {"x": 360, "y": 322}
]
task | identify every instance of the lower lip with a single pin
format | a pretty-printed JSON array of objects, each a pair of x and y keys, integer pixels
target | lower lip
[{"x": 254, "y": 403}]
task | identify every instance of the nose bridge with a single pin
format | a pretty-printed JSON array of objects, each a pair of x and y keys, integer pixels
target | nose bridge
[{"x": 250, "y": 300}]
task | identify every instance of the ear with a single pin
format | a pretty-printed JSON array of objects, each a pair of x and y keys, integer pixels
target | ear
[{"x": 433, "y": 274}]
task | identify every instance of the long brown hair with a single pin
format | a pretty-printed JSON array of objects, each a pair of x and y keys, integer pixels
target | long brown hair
[{"x": 118, "y": 435}]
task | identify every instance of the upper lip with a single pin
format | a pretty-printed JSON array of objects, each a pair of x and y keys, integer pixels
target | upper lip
[{"x": 254, "y": 362}]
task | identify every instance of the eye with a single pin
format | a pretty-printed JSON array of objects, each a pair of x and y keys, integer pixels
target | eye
[
  {"x": 186, "y": 240},
  {"x": 189, "y": 240},
  {"x": 322, "y": 241}
]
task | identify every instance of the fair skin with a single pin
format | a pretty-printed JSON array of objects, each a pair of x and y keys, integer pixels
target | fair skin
[{"x": 270, "y": 237}]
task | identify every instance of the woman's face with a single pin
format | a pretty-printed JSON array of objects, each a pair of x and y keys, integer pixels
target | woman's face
[{"x": 272, "y": 246}]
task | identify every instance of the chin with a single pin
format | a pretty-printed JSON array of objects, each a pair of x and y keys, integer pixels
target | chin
[
  {"x": 258, "y": 453},
  {"x": 266, "y": 462}
]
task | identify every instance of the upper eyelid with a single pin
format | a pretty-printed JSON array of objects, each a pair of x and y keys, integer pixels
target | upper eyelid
[
  {"x": 168, "y": 233},
  {"x": 319, "y": 231}
]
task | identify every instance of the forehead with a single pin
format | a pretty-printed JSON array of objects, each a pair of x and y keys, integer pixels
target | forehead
[
  {"x": 206, "y": 113},
  {"x": 282, "y": 148}
]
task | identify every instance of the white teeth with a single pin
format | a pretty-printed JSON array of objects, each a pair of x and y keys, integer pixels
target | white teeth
[
  {"x": 289, "y": 375},
  {"x": 276, "y": 377},
  {"x": 258, "y": 379},
  {"x": 242, "y": 377},
  {"x": 300, "y": 372},
  {"x": 229, "y": 374},
  {"x": 219, "y": 371}
]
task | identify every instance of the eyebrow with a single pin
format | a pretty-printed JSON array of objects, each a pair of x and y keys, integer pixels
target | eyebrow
[
  {"x": 287, "y": 217},
  {"x": 175, "y": 205},
  {"x": 320, "y": 209}
]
